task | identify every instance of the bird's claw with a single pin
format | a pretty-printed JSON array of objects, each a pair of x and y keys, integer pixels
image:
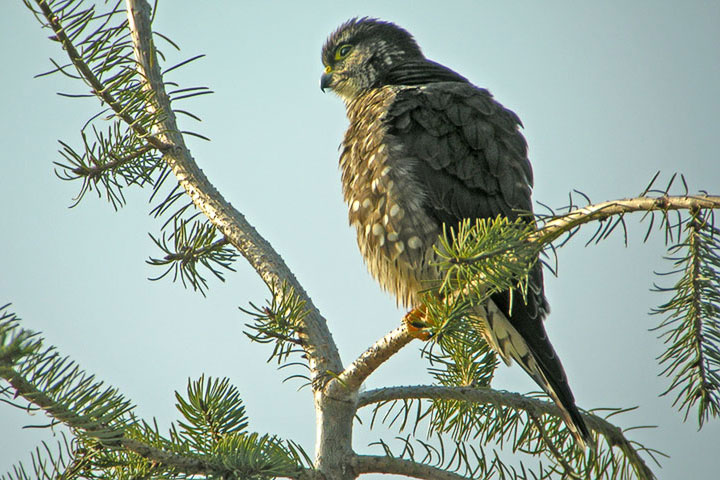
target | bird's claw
[{"x": 416, "y": 323}]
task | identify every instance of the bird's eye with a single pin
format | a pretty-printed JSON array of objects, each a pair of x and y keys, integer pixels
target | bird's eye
[{"x": 342, "y": 51}]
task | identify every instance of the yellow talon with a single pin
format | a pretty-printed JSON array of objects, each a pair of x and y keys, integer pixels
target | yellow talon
[{"x": 416, "y": 324}]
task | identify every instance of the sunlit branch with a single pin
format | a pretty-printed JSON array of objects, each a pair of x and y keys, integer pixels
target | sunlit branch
[
  {"x": 316, "y": 337},
  {"x": 357, "y": 372},
  {"x": 559, "y": 225}
]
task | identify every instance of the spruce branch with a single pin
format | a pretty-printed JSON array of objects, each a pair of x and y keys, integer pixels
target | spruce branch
[
  {"x": 499, "y": 406},
  {"x": 212, "y": 441},
  {"x": 100, "y": 52},
  {"x": 460, "y": 356},
  {"x": 569, "y": 471},
  {"x": 58, "y": 387},
  {"x": 279, "y": 323},
  {"x": 554, "y": 227},
  {"x": 63, "y": 461},
  {"x": 63, "y": 34},
  {"x": 194, "y": 246},
  {"x": 315, "y": 335},
  {"x": 212, "y": 410},
  {"x": 97, "y": 170},
  {"x": 691, "y": 324}
]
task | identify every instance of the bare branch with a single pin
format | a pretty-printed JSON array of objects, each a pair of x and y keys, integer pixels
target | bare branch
[
  {"x": 398, "y": 466},
  {"x": 354, "y": 375},
  {"x": 534, "y": 407},
  {"x": 316, "y": 337},
  {"x": 555, "y": 227}
]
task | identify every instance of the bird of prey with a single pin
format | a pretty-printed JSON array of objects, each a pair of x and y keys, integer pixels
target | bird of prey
[{"x": 424, "y": 148}]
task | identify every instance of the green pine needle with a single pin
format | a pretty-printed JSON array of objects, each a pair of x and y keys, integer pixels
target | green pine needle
[
  {"x": 691, "y": 324},
  {"x": 212, "y": 410}
]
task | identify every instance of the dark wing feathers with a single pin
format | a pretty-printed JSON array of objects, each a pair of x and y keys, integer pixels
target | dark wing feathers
[
  {"x": 472, "y": 162},
  {"x": 419, "y": 72},
  {"x": 480, "y": 150}
]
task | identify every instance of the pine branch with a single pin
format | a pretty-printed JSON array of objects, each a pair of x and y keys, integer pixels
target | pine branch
[
  {"x": 397, "y": 466},
  {"x": 315, "y": 335},
  {"x": 99, "y": 88},
  {"x": 535, "y": 407},
  {"x": 556, "y": 226},
  {"x": 194, "y": 247},
  {"x": 212, "y": 441},
  {"x": 691, "y": 327}
]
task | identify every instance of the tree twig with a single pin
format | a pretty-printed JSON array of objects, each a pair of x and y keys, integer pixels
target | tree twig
[{"x": 557, "y": 226}]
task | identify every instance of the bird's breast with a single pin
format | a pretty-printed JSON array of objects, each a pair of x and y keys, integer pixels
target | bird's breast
[{"x": 385, "y": 202}]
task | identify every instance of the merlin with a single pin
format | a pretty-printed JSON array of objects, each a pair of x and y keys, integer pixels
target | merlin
[{"x": 424, "y": 149}]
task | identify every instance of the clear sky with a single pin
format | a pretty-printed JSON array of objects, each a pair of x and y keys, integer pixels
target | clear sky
[{"x": 609, "y": 93}]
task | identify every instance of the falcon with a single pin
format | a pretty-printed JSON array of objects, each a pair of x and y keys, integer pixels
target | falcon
[{"x": 426, "y": 148}]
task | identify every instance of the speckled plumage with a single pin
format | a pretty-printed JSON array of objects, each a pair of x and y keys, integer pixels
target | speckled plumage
[{"x": 424, "y": 148}]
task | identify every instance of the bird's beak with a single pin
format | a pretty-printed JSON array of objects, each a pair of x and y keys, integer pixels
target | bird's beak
[{"x": 325, "y": 80}]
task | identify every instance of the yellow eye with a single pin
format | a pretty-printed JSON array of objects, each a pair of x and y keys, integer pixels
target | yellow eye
[{"x": 343, "y": 51}]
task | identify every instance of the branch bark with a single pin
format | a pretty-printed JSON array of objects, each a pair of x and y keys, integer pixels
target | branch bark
[
  {"x": 557, "y": 226},
  {"x": 355, "y": 374},
  {"x": 398, "y": 466}
]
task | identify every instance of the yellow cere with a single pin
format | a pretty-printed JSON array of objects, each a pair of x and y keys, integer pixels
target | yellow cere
[{"x": 328, "y": 69}]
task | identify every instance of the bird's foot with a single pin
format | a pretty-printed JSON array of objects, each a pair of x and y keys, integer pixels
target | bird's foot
[{"x": 416, "y": 323}]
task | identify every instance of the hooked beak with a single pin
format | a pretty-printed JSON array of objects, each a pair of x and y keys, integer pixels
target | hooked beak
[{"x": 325, "y": 81}]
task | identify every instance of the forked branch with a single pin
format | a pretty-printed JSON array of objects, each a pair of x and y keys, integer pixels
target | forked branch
[
  {"x": 356, "y": 373},
  {"x": 315, "y": 335}
]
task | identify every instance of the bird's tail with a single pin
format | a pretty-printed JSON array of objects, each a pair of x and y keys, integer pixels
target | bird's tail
[{"x": 543, "y": 366}]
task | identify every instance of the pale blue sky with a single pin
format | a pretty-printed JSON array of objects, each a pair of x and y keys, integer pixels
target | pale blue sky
[{"x": 609, "y": 93}]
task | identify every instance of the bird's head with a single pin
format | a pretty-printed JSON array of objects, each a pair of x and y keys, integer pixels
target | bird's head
[{"x": 360, "y": 52}]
